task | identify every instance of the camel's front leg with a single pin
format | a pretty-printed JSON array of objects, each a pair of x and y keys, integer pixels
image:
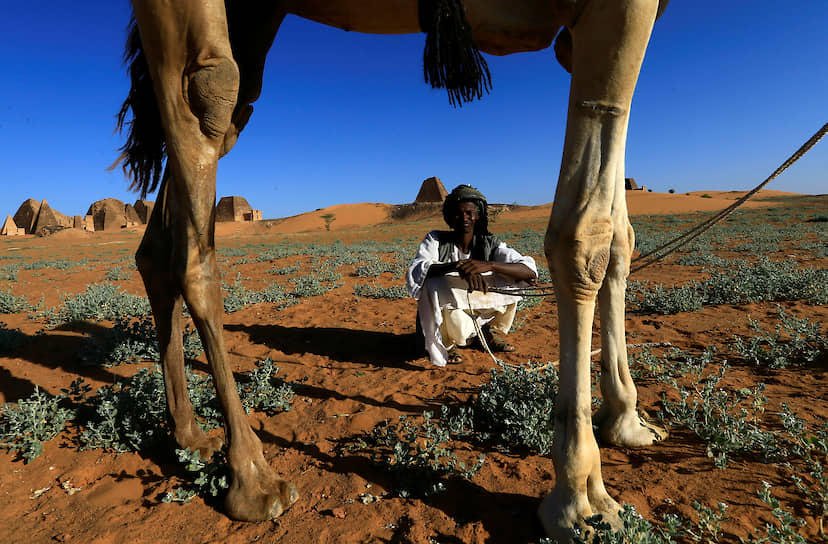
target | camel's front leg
[
  {"x": 196, "y": 83},
  {"x": 608, "y": 44},
  {"x": 618, "y": 420}
]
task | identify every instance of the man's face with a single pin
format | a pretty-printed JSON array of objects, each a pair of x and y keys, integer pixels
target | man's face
[{"x": 465, "y": 217}]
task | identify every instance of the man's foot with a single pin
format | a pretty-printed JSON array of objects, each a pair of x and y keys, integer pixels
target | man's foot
[
  {"x": 496, "y": 342},
  {"x": 454, "y": 357}
]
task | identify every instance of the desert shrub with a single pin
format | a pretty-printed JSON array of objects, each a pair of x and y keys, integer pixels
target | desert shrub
[
  {"x": 811, "y": 447},
  {"x": 663, "y": 300},
  {"x": 417, "y": 455},
  {"x": 209, "y": 477},
  {"x": 720, "y": 417},
  {"x": 703, "y": 259},
  {"x": 515, "y": 407},
  {"x": 675, "y": 363},
  {"x": 395, "y": 292},
  {"x": 285, "y": 270},
  {"x": 9, "y": 272},
  {"x": 117, "y": 273},
  {"x": 795, "y": 341},
  {"x": 131, "y": 415},
  {"x": 238, "y": 297},
  {"x": 232, "y": 251},
  {"x": 323, "y": 280},
  {"x": 261, "y": 390},
  {"x": 783, "y": 530},
  {"x": 25, "y": 425},
  {"x": 765, "y": 281},
  {"x": 12, "y": 304},
  {"x": 100, "y": 301},
  {"x": 375, "y": 267},
  {"x": 133, "y": 341},
  {"x": 741, "y": 282}
]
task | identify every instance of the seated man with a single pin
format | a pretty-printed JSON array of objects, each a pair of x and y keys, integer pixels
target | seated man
[{"x": 451, "y": 275}]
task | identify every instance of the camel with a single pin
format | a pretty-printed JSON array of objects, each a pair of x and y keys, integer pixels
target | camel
[{"x": 197, "y": 68}]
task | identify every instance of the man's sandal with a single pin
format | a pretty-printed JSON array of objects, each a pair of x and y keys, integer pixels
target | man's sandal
[
  {"x": 454, "y": 357},
  {"x": 498, "y": 344}
]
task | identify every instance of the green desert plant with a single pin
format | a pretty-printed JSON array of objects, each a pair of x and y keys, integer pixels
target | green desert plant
[
  {"x": 100, "y": 301},
  {"x": 417, "y": 455},
  {"x": 726, "y": 421},
  {"x": 12, "y": 304},
  {"x": 515, "y": 407},
  {"x": 131, "y": 341},
  {"x": 395, "y": 292},
  {"x": 25, "y": 425},
  {"x": 794, "y": 342}
]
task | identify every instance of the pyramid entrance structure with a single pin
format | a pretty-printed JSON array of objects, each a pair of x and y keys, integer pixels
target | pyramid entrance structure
[
  {"x": 236, "y": 208},
  {"x": 432, "y": 190}
]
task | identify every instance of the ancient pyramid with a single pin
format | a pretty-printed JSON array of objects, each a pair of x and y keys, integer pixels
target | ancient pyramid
[
  {"x": 432, "y": 190},
  {"x": 144, "y": 209},
  {"x": 48, "y": 218},
  {"x": 26, "y": 215},
  {"x": 107, "y": 214},
  {"x": 131, "y": 215},
  {"x": 10, "y": 228},
  {"x": 232, "y": 208}
]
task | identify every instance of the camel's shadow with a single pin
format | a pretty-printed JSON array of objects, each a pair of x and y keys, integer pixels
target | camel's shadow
[
  {"x": 463, "y": 501},
  {"x": 375, "y": 348}
]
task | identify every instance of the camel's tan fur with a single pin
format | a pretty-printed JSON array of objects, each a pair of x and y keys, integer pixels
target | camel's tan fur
[{"x": 204, "y": 88}]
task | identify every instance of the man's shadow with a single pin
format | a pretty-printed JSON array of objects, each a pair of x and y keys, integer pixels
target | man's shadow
[{"x": 376, "y": 348}]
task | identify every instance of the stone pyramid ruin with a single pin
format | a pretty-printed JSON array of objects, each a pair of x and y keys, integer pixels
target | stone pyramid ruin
[
  {"x": 10, "y": 228},
  {"x": 131, "y": 216},
  {"x": 432, "y": 190},
  {"x": 236, "y": 208},
  {"x": 49, "y": 220},
  {"x": 26, "y": 215},
  {"x": 108, "y": 214},
  {"x": 144, "y": 209}
]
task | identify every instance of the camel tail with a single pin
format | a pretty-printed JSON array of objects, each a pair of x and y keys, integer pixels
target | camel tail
[
  {"x": 451, "y": 59},
  {"x": 142, "y": 156}
]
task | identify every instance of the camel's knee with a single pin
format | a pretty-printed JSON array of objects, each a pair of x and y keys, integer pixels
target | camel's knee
[
  {"x": 212, "y": 90},
  {"x": 621, "y": 253},
  {"x": 579, "y": 260}
]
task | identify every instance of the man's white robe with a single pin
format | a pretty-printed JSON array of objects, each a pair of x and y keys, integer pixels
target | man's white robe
[{"x": 451, "y": 292}]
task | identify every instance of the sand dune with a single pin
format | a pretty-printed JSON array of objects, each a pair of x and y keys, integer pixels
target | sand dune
[{"x": 349, "y": 216}]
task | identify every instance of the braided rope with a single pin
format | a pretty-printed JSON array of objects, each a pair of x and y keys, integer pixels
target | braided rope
[
  {"x": 664, "y": 250},
  {"x": 659, "y": 253}
]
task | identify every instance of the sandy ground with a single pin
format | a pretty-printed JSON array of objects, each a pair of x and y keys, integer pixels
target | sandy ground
[{"x": 356, "y": 366}]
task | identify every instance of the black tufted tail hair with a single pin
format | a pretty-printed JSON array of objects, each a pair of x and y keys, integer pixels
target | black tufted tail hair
[
  {"x": 142, "y": 156},
  {"x": 451, "y": 59}
]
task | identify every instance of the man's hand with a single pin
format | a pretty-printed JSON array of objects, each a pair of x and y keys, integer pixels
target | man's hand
[{"x": 471, "y": 270}]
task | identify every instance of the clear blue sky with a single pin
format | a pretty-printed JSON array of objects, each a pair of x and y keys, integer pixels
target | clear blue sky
[{"x": 728, "y": 90}]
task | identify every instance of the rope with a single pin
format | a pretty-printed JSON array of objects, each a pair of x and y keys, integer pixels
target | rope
[
  {"x": 656, "y": 255},
  {"x": 479, "y": 331},
  {"x": 662, "y": 251},
  {"x": 652, "y": 257}
]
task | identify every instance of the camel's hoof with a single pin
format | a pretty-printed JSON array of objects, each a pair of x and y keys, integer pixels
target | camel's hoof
[
  {"x": 563, "y": 518},
  {"x": 629, "y": 430},
  {"x": 260, "y": 504}
]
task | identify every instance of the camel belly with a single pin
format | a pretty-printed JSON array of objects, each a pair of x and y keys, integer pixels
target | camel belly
[
  {"x": 499, "y": 27},
  {"x": 368, "y": 16}
]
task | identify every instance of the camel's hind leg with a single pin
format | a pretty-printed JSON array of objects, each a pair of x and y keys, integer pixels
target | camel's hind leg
[
  {"x": 618, "y": 420},
  {"x": 196, "y": 83},
  {"x": 155, "y": 263},
  {"x": 608, "y": 44}
]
